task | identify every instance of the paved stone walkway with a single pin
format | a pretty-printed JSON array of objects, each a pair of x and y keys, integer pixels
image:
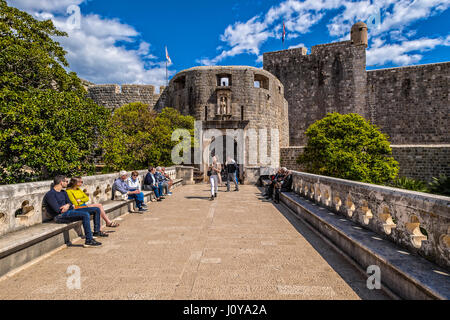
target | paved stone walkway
[{"x": 187, "y": 247}]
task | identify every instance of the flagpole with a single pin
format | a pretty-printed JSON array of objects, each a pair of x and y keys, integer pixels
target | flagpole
[{"x": 167, "y": 75}]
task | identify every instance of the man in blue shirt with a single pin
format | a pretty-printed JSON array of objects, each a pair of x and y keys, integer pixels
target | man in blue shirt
[
  {"x": 162, "y": 181},
  {"x": 58, "y": 205},
  {"x": 151, "y": 184}
]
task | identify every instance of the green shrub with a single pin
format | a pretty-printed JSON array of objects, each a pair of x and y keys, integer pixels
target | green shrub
[
  {"x": 47, "y": 125},
  {"x": 440, "y": 185},
  {"x": 348, "y": 147},
  {"x": 137, "y": 136},
  {"x": 410, "y": 184}
]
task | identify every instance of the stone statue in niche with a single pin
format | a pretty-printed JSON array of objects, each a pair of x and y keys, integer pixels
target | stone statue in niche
[{"x": 223, "y": 106}]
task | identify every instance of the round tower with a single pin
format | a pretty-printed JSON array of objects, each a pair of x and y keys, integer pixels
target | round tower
[{"x": 359, "y": 34}]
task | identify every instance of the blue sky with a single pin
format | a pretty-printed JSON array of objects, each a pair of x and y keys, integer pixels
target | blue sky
[{"x": 123, "y": 42}]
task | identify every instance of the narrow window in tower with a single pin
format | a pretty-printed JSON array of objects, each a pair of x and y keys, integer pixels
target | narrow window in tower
[
  {"x": 242, "y": 113},
  {"x": 261, "y": 81},
  {"x": 224, "y": 80},
  {"x": 206, "y": 113}
]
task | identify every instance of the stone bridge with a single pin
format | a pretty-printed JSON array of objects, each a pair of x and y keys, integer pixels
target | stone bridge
[{"x": 316, "y": 244}]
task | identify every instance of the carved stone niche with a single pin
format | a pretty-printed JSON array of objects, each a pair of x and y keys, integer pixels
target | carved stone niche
[
  {"x": 223, "y": 107},
  {"x": 2, "y": 217}
]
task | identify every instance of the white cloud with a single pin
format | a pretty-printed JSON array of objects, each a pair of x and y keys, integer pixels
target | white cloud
[
  {"x": 394, "y": 17},
  {"x": 394, "y": 14},
  {"x": 243, "y": 38},
  {"x": 300, "y": 45},
  {"x": 94, "y": 51},
  {"x": 32, "y": 6},
  {"x": 403, "y": 53},
  {"x": 248, "y": 37}
]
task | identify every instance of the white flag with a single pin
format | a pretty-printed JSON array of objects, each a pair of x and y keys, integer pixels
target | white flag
[{"x": 167, "y": 57}]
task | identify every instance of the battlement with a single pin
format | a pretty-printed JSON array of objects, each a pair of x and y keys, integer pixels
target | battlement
[
  {"x": 114, "y": 96},
  {"x": 137, "y": 89},
  {"x": 338, "y": 45}
]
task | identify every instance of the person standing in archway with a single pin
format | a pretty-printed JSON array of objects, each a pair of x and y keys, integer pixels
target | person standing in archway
[{"x": 231, "y": 168}]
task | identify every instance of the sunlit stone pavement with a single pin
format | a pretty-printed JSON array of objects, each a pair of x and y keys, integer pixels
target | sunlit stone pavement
[{"x": 237, "y": 247}]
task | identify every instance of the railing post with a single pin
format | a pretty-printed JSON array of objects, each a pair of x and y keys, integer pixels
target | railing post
[{"x": 185, "y": 173}]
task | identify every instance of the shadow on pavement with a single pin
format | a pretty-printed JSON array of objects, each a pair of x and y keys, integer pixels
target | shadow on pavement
[{"x": 198, "y": 198}]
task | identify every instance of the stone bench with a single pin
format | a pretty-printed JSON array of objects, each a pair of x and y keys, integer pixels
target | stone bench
[
  {"x": 407, "y": 275},
  {"x": 20, "y": 247}
]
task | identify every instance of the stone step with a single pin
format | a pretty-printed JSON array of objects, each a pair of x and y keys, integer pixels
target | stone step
[{"x": 407, "y": 275}]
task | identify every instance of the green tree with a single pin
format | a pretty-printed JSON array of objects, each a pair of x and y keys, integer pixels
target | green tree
[
  {"x": 47, "y": 125},
  {"x": 348, "y": 147},
  {"x": 137, "y": 136}
]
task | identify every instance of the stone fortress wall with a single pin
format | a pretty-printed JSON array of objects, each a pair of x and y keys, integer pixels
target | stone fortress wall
[
  {"x": 410, "y": 104},
  {"x": 331, "y": 79},
  {"x": 236, "y": 97},
  {"x": 114, "y": 96}
]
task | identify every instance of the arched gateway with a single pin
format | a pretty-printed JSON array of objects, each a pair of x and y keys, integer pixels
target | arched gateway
[{"x": 241, "y": 110}]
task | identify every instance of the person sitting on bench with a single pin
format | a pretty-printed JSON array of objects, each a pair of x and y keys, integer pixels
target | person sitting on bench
[
  {"x": 79, "y": 199},
  {"x": 151, "y": 184},
  {"x": 284, "y": 184},
  {"x": 58, "y": 205},
  {"x": 121, "y": 185}
]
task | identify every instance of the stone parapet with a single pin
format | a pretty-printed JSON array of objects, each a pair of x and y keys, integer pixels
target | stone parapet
[
  {"x": 416, "y": 221},
  {"x": 21, "y": 205},
  {"x": 185, "y": 173},
  {"x": 114, "y": 96}
]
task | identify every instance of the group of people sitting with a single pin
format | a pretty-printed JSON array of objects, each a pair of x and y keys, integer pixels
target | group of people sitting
[
  {"x": 280, "y": 182},
  {"x": 156, "y": 180},
  {"x": 66, "y": 202}
]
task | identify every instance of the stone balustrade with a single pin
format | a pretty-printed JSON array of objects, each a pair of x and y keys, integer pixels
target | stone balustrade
[
  {"x": 21, "y": 205},
  {"x": 185, "y": 173},
  {"x": 418, "y": 221}
]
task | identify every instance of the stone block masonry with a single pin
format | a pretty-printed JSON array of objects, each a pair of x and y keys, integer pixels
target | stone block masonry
[
  {"x": 411, "y": 104},
  {"x": 422, "y": 162},
  {"x": 331, "y": 79},
  {"x": 295, "y": 89},
  {"x": 114, "y": 96}
]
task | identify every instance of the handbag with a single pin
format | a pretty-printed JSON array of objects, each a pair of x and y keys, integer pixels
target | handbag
[{"x": 209, "y": 173}]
